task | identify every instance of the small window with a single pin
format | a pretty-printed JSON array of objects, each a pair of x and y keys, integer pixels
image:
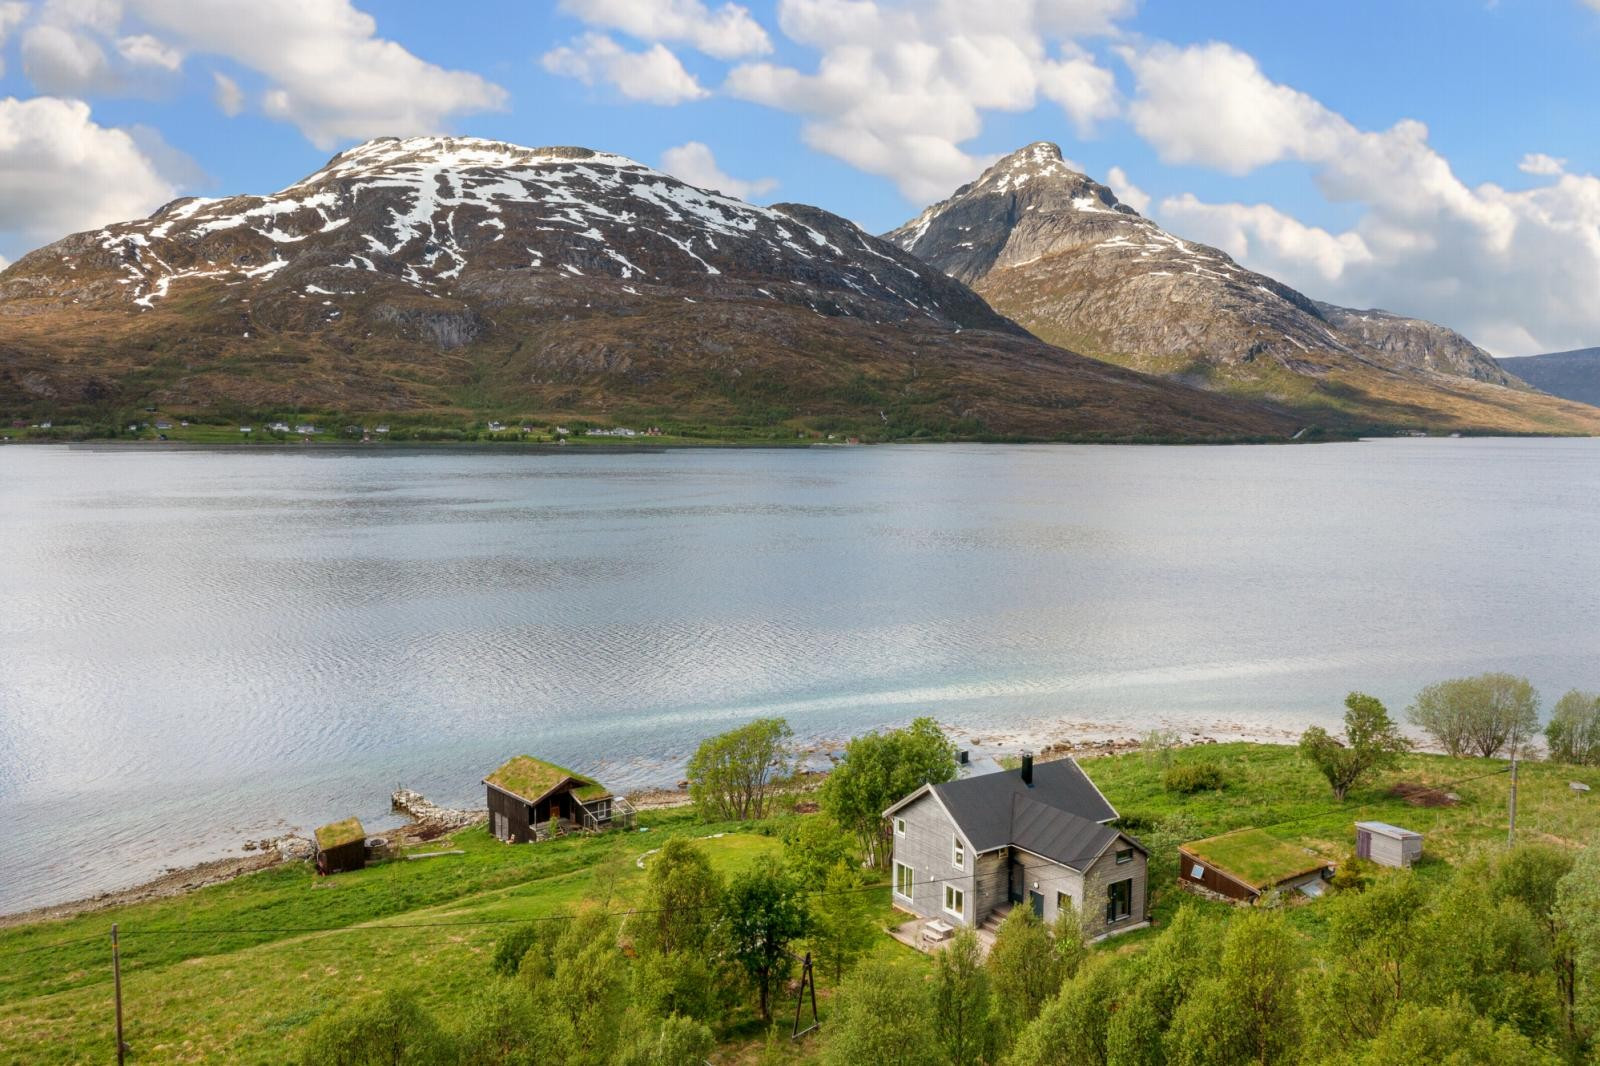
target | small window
[
  {"x": 903, "y": 880},
  {"x": 958, "y": 853},
  {"x": 1119, "y": 900},
  {"x": 1124, "y": 855},
  {"x": 1063, "y": 903},
  {"x": 899, "y": 827},
  {"x": 955, "y": 901},
  {"x": 1198, "y": 872}
]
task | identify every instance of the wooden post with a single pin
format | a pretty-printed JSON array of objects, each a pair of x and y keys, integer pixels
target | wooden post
[
  {"x": 1511, "y": 830},
  {"x": 808, "y": 982},
  {"x": 116, "y": 983}
]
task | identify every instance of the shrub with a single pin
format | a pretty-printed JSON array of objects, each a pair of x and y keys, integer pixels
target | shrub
[
  {"x": 513, "y": 944},
  {"x": 1189, "y": 778},
  {"x": 391, "y": 1029}
]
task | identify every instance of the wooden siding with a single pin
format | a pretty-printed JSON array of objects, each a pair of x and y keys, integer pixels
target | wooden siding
[
  {"x": 925, "y": 847},
  {"x": 1050, "y": 878},
  {"x": 1212, "y": 878},
  {"x": 1392, "y": 851},
  {"x": 1097, "y": 882},
  {"x": 508, "y": 817},
  {"x": 351, "y": 856}
]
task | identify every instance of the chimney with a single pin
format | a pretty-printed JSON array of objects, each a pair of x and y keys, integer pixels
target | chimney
[
  {"x": 1027, "y": 768},
  {"x": 961, "y": 757}
]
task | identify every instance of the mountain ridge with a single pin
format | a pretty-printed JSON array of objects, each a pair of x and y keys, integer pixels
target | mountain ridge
[
  {"x": 1059, "y": 253},
  {"x": 459, "y": 274}
]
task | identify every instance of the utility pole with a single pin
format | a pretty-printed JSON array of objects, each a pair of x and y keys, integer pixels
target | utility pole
[
  {"x": 1511, "y": 831},
  {"x": 116, "y": 982}
]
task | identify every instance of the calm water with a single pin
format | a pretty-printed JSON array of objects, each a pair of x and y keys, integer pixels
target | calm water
[{"x": 198, "y": 648}]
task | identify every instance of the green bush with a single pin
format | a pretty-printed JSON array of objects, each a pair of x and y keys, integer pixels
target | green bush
[{"x": 1189, "y": 778}]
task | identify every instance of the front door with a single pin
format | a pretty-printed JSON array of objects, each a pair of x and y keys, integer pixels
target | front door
[
  {"x": 1018, "y": 880},
  {"x": 1036, "y": 901}
]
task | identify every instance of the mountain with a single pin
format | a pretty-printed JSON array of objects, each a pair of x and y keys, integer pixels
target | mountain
[
  {"x": 1060, "y": 254},
  {"x": 457, "y": 275},
  {"x": 1573, "y": 375}
]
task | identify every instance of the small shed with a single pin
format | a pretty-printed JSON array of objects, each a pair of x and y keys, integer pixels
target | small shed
[
  {"x": 1387, "y": 845},
  {"x": 341, "y": 846},
  {"x": 1246, "y": 862},
  {"x": 529, "y": 798}
]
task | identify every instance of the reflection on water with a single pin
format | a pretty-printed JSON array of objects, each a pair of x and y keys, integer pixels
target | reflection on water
[{"x": 197, "y": 648}]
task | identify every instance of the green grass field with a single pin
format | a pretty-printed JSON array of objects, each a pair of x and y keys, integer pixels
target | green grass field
[{"x": 234, "y": 972}]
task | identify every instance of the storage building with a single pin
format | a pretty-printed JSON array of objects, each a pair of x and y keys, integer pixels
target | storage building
[
  {"x": 341, "y": 846},
  {"x": 1387, "y": 845}
]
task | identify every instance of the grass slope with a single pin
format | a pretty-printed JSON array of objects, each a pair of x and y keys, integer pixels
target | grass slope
[{"x": 233, "y": 973}]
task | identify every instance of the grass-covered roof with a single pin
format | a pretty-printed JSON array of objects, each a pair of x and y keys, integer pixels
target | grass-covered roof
[
  {"x": 1256, "y": 857},
  {"x": 533, "y": 779},
  {"x": 338, "y": 834}
]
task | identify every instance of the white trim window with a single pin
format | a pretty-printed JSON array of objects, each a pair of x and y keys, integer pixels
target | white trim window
[
  {"x": 904, "y": 880},
  {"x": 899, "y": 827},
  {"x": 955, "y": 902},
  {"x": 958, "y": 852}
]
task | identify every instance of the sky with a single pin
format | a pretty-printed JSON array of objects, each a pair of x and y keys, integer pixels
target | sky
[{"x": 1436, "y": 158}]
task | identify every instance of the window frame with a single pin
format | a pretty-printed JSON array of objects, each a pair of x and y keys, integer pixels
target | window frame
[
  {"x": 911, "y": 880},
  {"x": 1124, "y": 855},
  {"x": 958, "y": 852},
  {"x": 960, "y": 895},
  {"x": 899, "y": 827},
  {"x": 1112, "y": 917}
]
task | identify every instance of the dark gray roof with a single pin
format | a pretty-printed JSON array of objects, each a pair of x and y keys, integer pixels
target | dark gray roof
[
  {"x": 1061, "y": 796},
  {"x": 1057, "y": 835}
]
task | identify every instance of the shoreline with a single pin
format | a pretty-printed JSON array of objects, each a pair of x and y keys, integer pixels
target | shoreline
[{"x": 1080, "y": 740}]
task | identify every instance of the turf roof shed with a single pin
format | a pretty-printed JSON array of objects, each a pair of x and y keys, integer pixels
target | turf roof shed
[
  {"x": 1246, "y": 862},
  {"x": 527, "y": 796},
  {"x": 341, "y": 846}
]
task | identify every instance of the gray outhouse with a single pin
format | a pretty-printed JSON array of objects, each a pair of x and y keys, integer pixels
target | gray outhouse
[{"x": 1387, "y": 845}]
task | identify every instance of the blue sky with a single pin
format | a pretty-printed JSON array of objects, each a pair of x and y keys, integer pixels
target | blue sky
[{"x": 1434, "y": 158}]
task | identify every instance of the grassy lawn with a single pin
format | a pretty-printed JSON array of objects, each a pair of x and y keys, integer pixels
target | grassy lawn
[{"x": 234, "y": 972}]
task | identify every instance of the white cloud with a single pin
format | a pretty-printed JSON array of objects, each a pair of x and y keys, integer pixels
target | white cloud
[
  {"x": 727, "y": 33},
  {"x": 61, "y": 172},
  {"x": 330, "y": 73},
  {"x": 1127, "y": 191},
  {"x": 1541, "y": 164},
  {"x": 1514, "y": 270},
  {"x": 901, "y": 85},
  {"x": 12, "y": 12},
  {"x": 695, "y": 163},
  {"x": 227, "y": 94},
  {"x": 143, "y": 50},
  {"x": 653, "y": 76},
  {"x": 65, "y": 62}
]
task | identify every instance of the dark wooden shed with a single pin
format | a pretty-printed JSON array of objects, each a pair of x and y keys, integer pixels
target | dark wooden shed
[
  {"x": 341, "y": 846},
  {"x": 1246, "y": 862},
  {"x": 528, "y": 798}
]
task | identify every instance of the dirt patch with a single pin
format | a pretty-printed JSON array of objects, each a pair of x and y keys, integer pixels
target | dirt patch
[{"x": 1420, "y": 795}]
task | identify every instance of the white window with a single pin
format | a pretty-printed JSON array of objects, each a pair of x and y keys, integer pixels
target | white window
[
  {"x": 903, "y": 880},
  {"x": 958, "y": 853},
  {"x": 899, "y": 827},
  {"x": 955, "y": 901}
]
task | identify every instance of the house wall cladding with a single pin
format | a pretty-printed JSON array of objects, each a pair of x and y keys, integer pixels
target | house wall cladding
[
  {"x": 925, "y": 847},
  {"x": 1097, "y": 882},
  {"x": 1052, "y": 878},
  {"x": 508, "y": 817}
]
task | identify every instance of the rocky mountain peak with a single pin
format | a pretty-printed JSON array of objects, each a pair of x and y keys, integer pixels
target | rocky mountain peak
[{"x": 1056, "y": 251}]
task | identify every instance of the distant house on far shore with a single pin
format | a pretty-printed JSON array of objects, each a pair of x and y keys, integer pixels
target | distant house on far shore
[{"x": 529, "y": 799}]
